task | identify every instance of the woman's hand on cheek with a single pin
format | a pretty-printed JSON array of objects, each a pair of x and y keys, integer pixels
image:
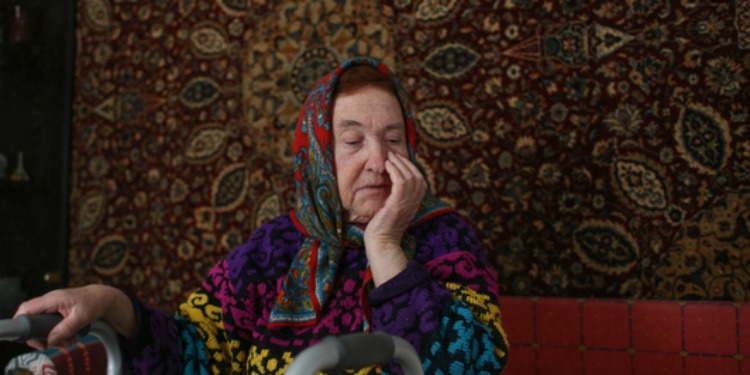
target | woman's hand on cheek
[
  {"x": 386, "y": 229},
  {"x": 407, "y": 190}
]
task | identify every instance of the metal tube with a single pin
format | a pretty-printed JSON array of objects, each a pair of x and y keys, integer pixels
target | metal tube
[
  {"x": 407, "y": 357},
  {"x": 355, "y": 351},
  {"x": 108, "y": 337},
  {"x": 37, "y": 327},
  {"x": 320, "y": 356}
]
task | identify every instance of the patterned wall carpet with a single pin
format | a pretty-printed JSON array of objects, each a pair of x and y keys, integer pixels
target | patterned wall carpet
[{"x": 601, "y": 148}]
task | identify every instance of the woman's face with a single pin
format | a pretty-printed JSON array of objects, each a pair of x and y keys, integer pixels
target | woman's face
[{"x": 367, "y": 124}]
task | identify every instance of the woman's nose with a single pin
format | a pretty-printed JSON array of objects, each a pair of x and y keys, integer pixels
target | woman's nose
[{"x": 376, "y": 156}]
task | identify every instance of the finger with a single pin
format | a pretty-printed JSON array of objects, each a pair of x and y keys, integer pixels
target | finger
[
  {"x": 401, "y": 163},
  {"x": 413, "y": 177},
  {"x": 61, "y": 341},
  {"x": 394, "y": 172},
  {"x": 410, "y": 172},
  {"x": 405, "y": 186},
  {"x": 411, "y": 166},
  {"x": 37, "y": 344},
  {"x": 54, "y": 303},
  {"x": 40, "y": 305},
  {"x": 63, "y": 334}
]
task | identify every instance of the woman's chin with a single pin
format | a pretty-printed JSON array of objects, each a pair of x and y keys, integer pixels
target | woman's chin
[{"x": 364, "y": 213}]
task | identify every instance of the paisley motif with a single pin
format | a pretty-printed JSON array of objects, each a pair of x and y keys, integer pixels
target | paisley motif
[
  {"x": 185, "y": 250},
  {"x": 229, "y": 189},
  {"x": 231, "y": 239},
  {"x": 703, "y": 138},
  {"x": 205, "y": 218},
  {"x": 742, "y": 22},
  {"x": 275, "y": 72},
  {"x": 608, "y": 40},
  {"x": 606, "y": 247},
  {"x": 641, "y": 185},
  {"x": 234, "y": 7},
  {"x": 205, "y": 144},
  {"x": 427, "y": 171},
  {"x": 154, "y": 58},
  {"x": 268, "y": 207},
  {"x": 130, "y": 106},
  {"x": 477, "y": 174},
  {"x": 568, "y": 45},
  {"x": 433, "y": 11},
  {"x": 710, "y": 258},
  {"x": 309, "y": 67},
  {"x": 178, "y": 191},
  {"x": 451, "y": 61},
  {"x": 91, "y": 210},
  {"x": 208, "y": 39},
  {"x": 689, "y": 289},
  {"x": 110, "y": 255},
  {"x": 107, "y": 109},
  {"x": 536, "y": 106},
  {"x": 200, "y": 92},
  {"x": 127, "y": 106},
  {"x": 727, "y": 287},
  {"x": 98, "y": 14},
  {"x": 186, "y": 6},
  {"x": 442, "y": 124}
]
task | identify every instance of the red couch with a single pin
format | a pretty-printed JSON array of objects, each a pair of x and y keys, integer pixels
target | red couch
[
  {"x": 613, "y": 337},
  {"x": 583, "y": 337}
]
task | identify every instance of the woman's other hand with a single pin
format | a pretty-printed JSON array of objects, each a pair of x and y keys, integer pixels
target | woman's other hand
[
  {"x": 79, "y": 308},
  {"x": 386, "y": 229}
]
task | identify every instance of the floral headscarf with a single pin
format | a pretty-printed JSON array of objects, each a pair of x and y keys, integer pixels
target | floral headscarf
[{"x": 319, "y": 211}]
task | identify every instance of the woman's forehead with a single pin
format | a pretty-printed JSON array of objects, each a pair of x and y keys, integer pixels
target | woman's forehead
[
  {"x": 366, "y": 109},
  {"x": 368, "y": 98}
]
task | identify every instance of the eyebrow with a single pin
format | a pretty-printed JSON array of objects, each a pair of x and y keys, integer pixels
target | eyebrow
[
  {"x": 346, "y": 124},
  {"x": 349, "y": 124}
]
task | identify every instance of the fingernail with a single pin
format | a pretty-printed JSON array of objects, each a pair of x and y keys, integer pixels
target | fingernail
[
  {"x": 58, "y": 341},
  {"x": 36, "y": 344}
]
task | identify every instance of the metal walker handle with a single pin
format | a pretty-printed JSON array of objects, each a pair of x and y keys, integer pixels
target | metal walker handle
[
  {"x": 37, "y": 327},
  {"x": 356, "y": 350}
]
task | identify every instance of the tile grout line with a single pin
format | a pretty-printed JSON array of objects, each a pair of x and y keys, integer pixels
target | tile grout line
[
  {"x": 631, "y": 348},
  {"x": 682, "y": 338},
  {"x": 535, "y": 344},
  {"x": 582, "y": 343},
  {"x": 737, "y": 331}
]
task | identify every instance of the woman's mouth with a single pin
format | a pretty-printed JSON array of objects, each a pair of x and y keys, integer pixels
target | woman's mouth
[{"x": 375, "y": 188}]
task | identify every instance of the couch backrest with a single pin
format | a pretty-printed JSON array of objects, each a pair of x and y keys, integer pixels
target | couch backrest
[{"x": 612, "y": 337}]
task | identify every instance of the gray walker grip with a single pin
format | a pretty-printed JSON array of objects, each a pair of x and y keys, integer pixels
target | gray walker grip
[
  {"x": 38, "y": 327},
  {"x": 29, "y": 327},
  {"x": 356, "y": 350},
  {"x": 332, "y": 353}
]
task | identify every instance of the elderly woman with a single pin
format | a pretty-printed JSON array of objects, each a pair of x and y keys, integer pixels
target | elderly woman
[{"x": 367, "y": 248}]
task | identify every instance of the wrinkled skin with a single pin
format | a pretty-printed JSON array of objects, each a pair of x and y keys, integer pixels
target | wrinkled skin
[
  {"x": 79, "y": 307},
  {"x": 377, "y": 183}
]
